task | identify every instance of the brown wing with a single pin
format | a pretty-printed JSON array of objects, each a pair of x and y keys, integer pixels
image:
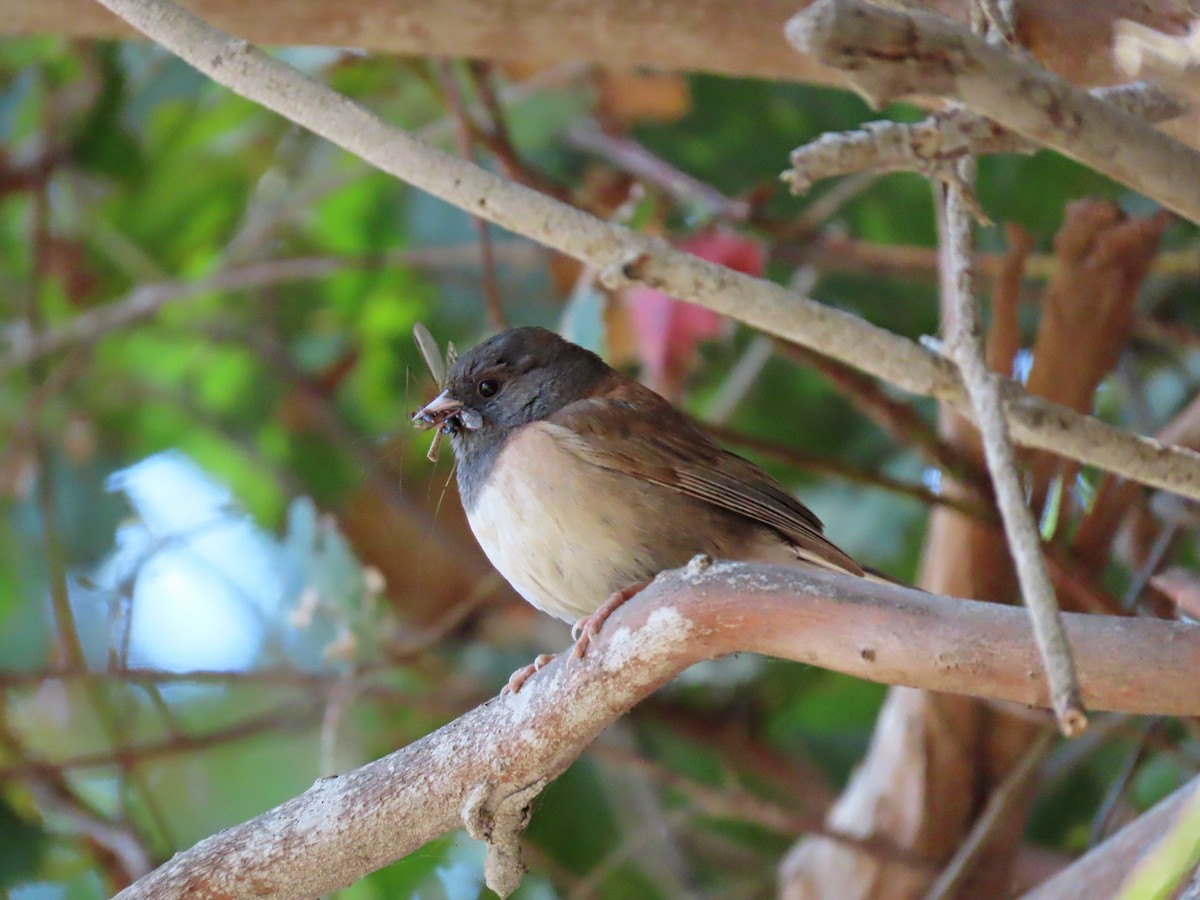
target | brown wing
[{"x": 628, "y": 428}]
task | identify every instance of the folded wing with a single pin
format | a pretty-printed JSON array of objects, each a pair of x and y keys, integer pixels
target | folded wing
[{"x": 630, "y": 429}]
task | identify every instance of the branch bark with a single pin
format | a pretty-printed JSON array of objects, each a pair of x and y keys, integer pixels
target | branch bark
[
  {"x": 933, "y": 146},
  {"x": 344, "y": 827},
  {"x": 889, "y": 53},
  {"x": 965, "y": 340},
  {"x": 745, "y": 38},
  {"x": 1102, "y": 871},
  {"x": 1173, "y": 61},
  {"x": 623, "y": 254}
]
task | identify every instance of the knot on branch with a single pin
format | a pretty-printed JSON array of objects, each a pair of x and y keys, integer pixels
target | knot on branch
[
  {"x": 625, "y": 272},
  {"x": 233, "y": 48},
  {"x": 497, "y": 814}
]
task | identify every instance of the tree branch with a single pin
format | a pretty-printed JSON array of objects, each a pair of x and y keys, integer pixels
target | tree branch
[
  {"x": 743, "y": 38},
  {"x": 345, "y": 827},
  {"x": 1173, "y": 61},
  {"x": 931, "y": 147},
  {"x": 889, "y": 53},
  {"x": 624, "y": 254},
  {"x": 1102, "y": 870},
  {"x": 965, "y": 342},
  {"x": 1004, "y": 802}
]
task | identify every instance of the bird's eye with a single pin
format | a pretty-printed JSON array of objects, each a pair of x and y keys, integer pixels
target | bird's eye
[{"x": 488, "y": 387}]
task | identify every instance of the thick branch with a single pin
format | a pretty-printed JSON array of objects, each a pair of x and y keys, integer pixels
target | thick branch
[
  {"x": 344, "y": 827},
  {"x": 889, "y": 53},
  {"x": 743, "y": 38},
  {"x": 624, "y": 254}
]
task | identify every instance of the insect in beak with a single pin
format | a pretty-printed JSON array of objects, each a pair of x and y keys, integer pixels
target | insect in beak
[
  {"x": 442, "y": 413},
  {"x": 437, "y": 411}
]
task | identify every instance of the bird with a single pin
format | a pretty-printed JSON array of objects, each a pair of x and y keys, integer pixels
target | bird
[{"x": 581, "y": 484}]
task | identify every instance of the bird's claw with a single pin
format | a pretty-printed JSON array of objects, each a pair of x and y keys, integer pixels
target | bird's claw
[
  {"x": 518, "y": 678},
  {"x": 583, "y": 631}
]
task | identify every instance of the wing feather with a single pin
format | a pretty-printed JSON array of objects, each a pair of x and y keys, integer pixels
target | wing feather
[{"x": 628, "y": 428}]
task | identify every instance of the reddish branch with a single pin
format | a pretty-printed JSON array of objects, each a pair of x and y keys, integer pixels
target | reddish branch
[
  {"x": 1103, "y": 258},
  {"x": 489, "y": 764}
]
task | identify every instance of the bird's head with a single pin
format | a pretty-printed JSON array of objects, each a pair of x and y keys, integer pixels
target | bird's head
[{"x": 514, "y": 378}]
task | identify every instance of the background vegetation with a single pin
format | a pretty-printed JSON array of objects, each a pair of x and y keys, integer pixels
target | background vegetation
[{"x": 227, "y": 568}]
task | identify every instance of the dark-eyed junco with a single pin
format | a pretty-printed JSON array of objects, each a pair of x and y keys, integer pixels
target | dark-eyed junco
[{"x": 581, "y": 484}]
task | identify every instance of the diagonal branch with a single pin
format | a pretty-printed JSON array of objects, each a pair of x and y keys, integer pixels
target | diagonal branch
[
  {"x": 889, "y": 53},
  {"x": 623, "y": 254},
  {"x": 1002, "y": 804},
  {"x": 1104, "y": 868},
  {"x": 345, "y": 827}
]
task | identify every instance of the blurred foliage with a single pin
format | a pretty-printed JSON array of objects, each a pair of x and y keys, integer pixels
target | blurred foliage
[{"x": 265, "y": 407}]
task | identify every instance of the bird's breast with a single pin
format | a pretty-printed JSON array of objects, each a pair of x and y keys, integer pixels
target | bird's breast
[{"x": 564, "y": 533}]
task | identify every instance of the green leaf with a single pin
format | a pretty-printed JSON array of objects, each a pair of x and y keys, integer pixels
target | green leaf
[{"x": 1175, "y": 857}]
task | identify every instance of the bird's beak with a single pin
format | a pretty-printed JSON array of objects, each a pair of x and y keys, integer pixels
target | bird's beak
[{"x": 434, "y": 413}]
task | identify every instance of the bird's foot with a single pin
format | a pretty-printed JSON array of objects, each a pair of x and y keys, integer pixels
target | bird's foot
[
  {"x": 589, "y": 626},
  {"x": 518, "y": 678}
]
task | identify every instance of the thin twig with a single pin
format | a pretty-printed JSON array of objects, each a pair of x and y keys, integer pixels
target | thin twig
[
  {"x": 831, "y": 251},
  {"x": 1154, "y": 558},
  {"x": 1173, "y": 60},
  {"x": 1117, "y": 790},
  {"x": 630, "y": 156},
  {"x": 965, "y": 345},
  {"x": 727, "y": 802},
  {"x": 838, "y": 468},
  {"x": 897, "y": 418},
  {"x": 117, "y": 847},
  {"x": 293, "y": 717},
  {"x": 497, "y": 139}
]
